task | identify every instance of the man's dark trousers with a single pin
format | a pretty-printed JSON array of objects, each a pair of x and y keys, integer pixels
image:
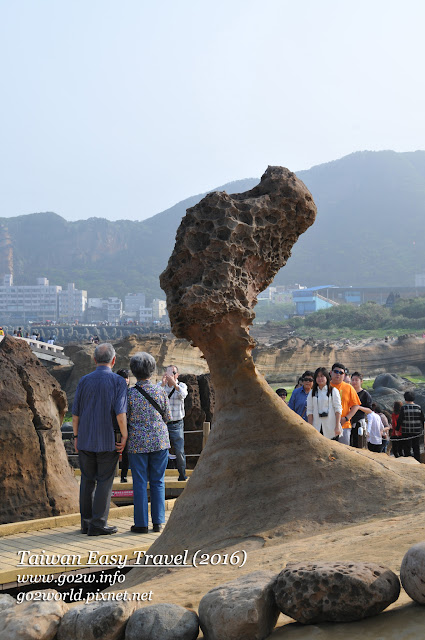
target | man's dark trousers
[
  {"x": 97, "y": 477},
  {"x": 412, "y": 443}
]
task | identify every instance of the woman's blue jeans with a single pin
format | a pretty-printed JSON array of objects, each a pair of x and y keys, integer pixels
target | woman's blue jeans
[{"x": 148, "y": 467}]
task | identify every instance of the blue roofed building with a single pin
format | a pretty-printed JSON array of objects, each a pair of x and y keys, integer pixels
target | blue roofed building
[{"x": 312, "y": 299}]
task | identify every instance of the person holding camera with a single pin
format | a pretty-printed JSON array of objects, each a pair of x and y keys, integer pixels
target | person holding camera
[
  {"x": 324, "y": 406},
  {"x": 176, "y": 392}
]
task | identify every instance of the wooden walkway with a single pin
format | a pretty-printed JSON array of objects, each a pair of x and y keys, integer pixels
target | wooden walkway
[
  {"x": 67, "y": 542},
  {"x": 61, "y": 537}
]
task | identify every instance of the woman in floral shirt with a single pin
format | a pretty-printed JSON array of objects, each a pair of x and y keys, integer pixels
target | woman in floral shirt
[{"x": 148, "y": 443}]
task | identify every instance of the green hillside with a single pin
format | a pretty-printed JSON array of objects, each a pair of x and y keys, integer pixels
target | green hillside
[{"x": 368, "y": 231}]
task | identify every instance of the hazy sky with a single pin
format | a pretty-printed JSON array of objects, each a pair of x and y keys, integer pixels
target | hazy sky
[{"x": 120, "y": 109}]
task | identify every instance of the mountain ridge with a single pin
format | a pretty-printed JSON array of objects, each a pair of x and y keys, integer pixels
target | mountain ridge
[{"x": 368, "y": 232}]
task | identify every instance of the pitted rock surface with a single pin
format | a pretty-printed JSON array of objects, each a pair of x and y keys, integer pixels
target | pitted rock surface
[
  {"x": 33, "y": 620},
  {"x": 163, "y": 622},
  {"x": 6, "y": 602},
  {"x": 412, "y": 572},
  {"x": 35, "y": 477},
  {"x": 229, "y": 248},
  {"x": 335, "y": 592},
  {"x": 243, "y": 609},
  {"x": 96, "y": 621},
  {"x": 259, "y": 453}
]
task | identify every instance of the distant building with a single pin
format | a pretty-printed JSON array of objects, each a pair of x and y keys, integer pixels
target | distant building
[
  {"x": 159, "y": 309},
  {"x": 72, "y": 304},
  {"x": 38, "y": 303},
  {"x": 145, "y": 315},
  {"x": 104, "y": 310},
  {"x": 322, "y": 297},
  {"x": 133, "y": 302},
  {"x": 420, "y": 280},
  {"x": 266, "y": 296},
  {"x": 312, "y": 299}
]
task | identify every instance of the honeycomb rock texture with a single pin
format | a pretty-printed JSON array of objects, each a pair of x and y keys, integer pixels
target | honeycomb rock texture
[
  {"x": 264, "y": 473},
  {"x": 36, "y": 480},
  {"x": 335, "y": 592},
  {"x": 229, "y": 247}
]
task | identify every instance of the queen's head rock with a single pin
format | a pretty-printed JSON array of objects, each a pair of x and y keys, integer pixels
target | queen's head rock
[
  {"x": 228, "y": 249},
  {"x": 265, "y": 474}
]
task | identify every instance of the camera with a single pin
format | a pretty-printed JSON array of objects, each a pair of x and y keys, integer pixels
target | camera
[{"x": 324, "y": 414}]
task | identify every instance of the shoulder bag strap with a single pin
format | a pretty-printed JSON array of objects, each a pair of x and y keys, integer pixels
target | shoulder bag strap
[
  {"x": 151, "y": 400},
  {"x": 171, "y": 393}
]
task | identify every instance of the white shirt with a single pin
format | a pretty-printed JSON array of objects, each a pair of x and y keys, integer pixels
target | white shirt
[
  {"x": 322, "y": 403},
  {"x": 374, "y": 428},
  {"x": 176, "y": 400}
]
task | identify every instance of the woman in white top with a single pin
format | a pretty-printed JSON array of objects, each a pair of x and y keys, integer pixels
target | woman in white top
[{"x": 324, "y": 406}]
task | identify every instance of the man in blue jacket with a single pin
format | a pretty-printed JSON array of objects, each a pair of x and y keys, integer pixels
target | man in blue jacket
[{"x": 298, "y": 400}]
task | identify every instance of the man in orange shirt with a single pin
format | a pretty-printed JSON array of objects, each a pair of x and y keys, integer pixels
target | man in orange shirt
[{"x": 349, "y": 399}]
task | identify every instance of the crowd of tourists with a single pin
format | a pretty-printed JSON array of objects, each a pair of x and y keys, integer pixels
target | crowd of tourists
[
  {"x": 18, "y": 333},
  {"x": 336, "y": 405},
  {"x": 141, "y": 422}
]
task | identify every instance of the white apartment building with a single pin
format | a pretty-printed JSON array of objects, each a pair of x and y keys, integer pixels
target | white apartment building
[
  {"x": 420, "y": 280},
  {"x": 38, "y": 303},
  {"x": 133, "y": 302},
  {"x": 72, "y": 304}
]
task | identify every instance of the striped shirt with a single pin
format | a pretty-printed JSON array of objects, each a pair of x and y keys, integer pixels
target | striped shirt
[
  {"x": 176, "y": 400},
  {"x": 410, "y": 420}
]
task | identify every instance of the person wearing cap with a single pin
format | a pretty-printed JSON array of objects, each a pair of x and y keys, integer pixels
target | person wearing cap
[
  {"x": 298, "y": 399},
  {"x": 349, "y": 399}
]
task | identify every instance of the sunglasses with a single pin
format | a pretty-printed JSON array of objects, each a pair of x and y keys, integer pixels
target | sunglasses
[
  {"x": 338, "y": 372},
  {"x": 307, "y": 379}
]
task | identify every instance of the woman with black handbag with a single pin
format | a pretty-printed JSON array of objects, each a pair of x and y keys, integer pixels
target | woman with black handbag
[{"x": 148, "y": 412}]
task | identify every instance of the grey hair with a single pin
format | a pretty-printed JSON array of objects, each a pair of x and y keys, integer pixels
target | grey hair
[
  {"x": 142, "y": 365},
  {"x": 104, "y": 353}
]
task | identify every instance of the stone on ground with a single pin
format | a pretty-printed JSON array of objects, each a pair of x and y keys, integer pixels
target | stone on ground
[
  {"x": 163, "y": 622},
  {"x": 96, "y": 621},
  {"x": 335, "y": 591},
  {"x": 412, "y": 572},
  {"x": 243, "y": 609},
  {"x": 32, "y": 620}
]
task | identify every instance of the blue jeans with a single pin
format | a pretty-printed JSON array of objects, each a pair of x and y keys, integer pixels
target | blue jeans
[
  {"x": 144, "y": 467},
  {"x": 175, "y": 431}
]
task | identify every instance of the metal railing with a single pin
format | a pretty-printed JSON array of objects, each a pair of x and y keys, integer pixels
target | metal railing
[{"x": 206, "y": 429}]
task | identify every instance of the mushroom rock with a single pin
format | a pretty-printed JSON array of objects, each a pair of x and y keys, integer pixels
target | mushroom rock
[
  {"x": 35, "y": 478},
  {"x": 265, "y": 473}
]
